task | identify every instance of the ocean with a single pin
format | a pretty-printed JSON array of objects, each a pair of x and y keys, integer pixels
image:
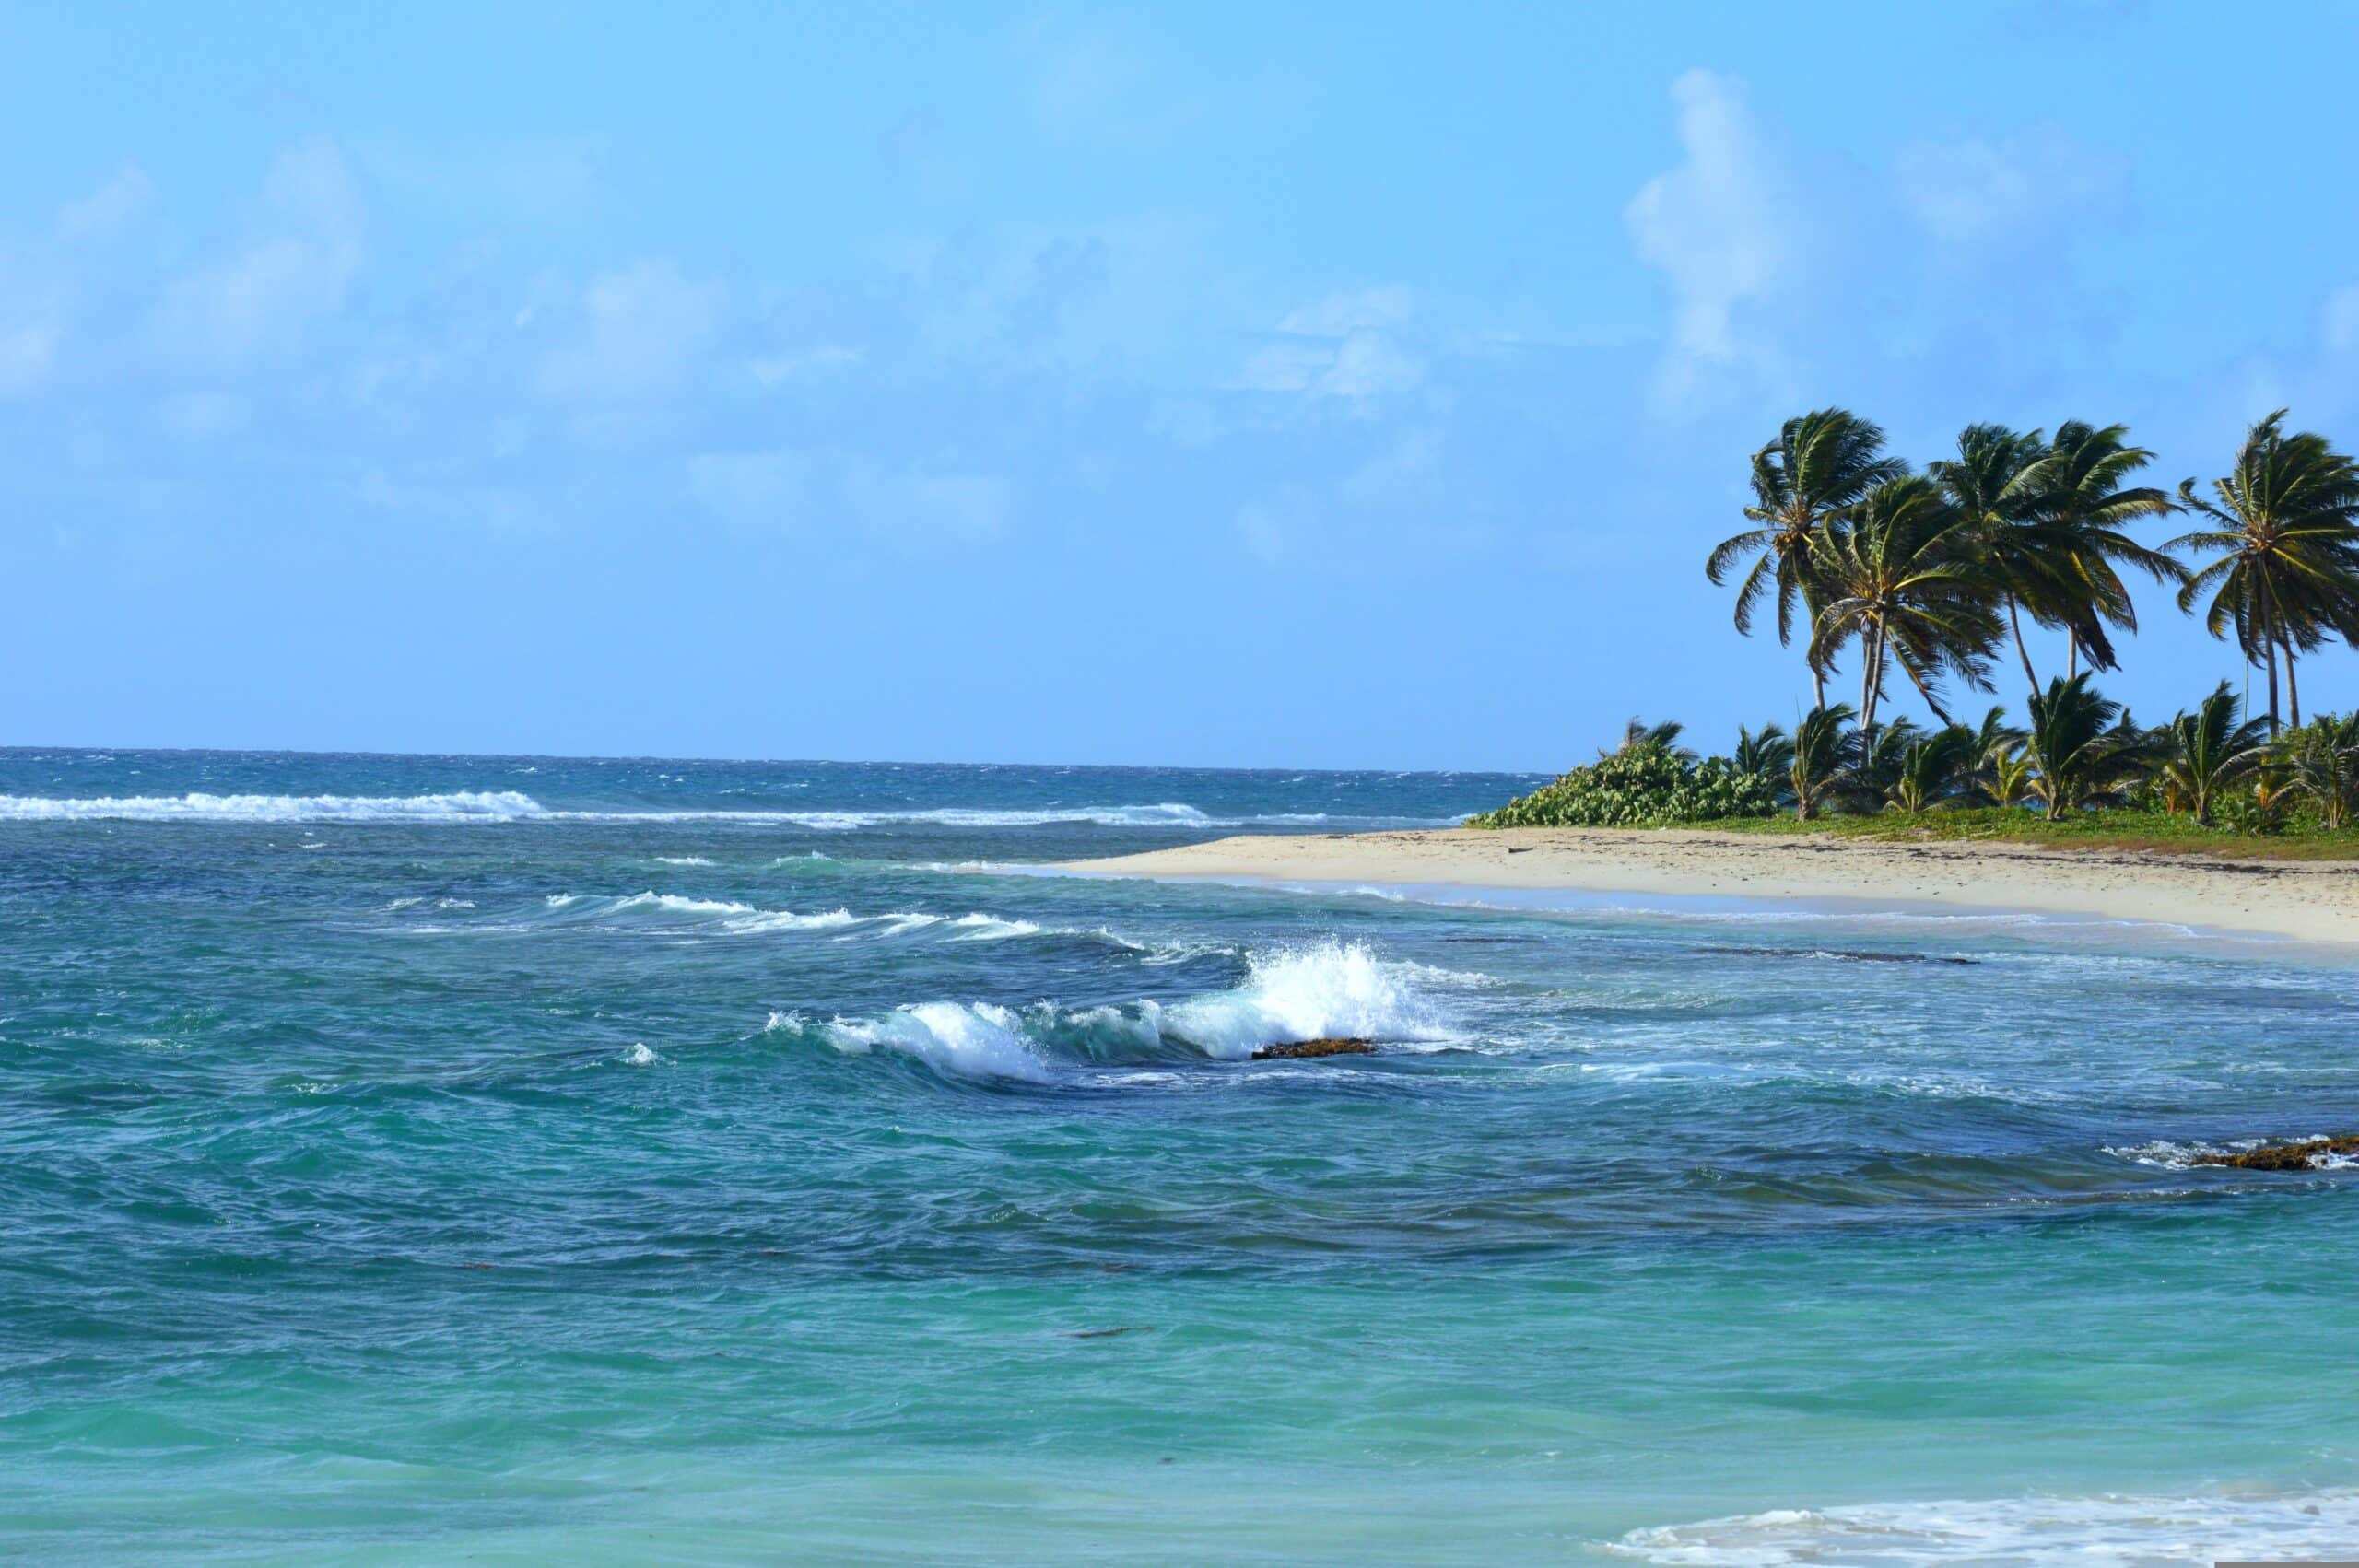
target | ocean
[{"x": 525, "y": 1160}]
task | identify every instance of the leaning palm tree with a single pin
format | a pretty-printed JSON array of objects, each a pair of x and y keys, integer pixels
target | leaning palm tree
[
  {"x": 1664, "y": 736},
  {"x": 1900, "y": 577},
  {"x": 2285, "y": 524},
  {"x": 1824, "y": 748},
  {"x": 1820, "y": 464},
  {"x": 2084, "y": 502},
  {"x": 2321, "y": 762},
  {"x": 1994, "y": 483},
  {"x": 2085, "y": 756},
  {"x": 2208, "y": 751}
]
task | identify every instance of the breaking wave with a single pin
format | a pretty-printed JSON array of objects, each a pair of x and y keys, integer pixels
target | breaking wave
[
  {"x": 2111, "y": 1528},
  {"x": 1295, "y": 993},
  {"x": 465, "y": 805},
  {"x": 511, "y": 805}
]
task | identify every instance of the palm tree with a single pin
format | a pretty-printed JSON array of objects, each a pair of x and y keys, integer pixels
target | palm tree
[
  {"x": 1820, "y": 464},
  {"x": 2084, "y": 756},
  {"x": 2014, "y": 773},
  {"x": 1931, "y": 768},
  {"x": 2084, "y": 502},
  {"x": 1638, "y": 732},
  {"x": 1898, "y": 574},
  {"x": 1824, "y": 748},
  {"x": 2208, "y": 751},
  {"x": 1994, "y": 740},
  {"x": 1991, "y": 482},
  {"x": 2287, "y": 527},
  {"x": 2321, "y": 761},
  {"x": 1769, "y": 753},
  {"x": 1877, "y": 771}
]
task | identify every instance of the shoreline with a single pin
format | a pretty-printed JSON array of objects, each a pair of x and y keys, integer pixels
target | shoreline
[{"x": 2305, "y": 901}]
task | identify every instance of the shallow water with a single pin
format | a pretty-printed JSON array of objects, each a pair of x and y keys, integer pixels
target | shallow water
[{"x": 540, "y": 1160}]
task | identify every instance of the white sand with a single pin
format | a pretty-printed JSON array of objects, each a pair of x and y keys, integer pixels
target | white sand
[{"x": 2313, "y": 901}]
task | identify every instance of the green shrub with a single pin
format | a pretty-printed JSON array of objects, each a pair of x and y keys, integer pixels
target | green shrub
[{"x": 1645, "y": 784}]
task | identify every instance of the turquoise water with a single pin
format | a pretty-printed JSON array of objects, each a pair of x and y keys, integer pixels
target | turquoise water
[{"x": 523, "y": 1160}]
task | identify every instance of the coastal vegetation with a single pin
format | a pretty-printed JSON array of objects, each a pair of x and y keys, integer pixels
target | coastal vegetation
[{"x": 1922, "y": 581}]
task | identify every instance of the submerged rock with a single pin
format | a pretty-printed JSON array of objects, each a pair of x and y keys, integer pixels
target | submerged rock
[
  {"x": 2284, "y": 1157},
  {"x": 1332, "y": 1046}
]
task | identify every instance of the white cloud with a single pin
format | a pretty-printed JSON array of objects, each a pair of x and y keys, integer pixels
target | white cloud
[
  {"x": 106, "y": 208},
  {"x": 1340, "y": 347},
  {"x": 642, "y": 326},
  {"x": 1716, "y": 224},
  {"x": 771, "y": 370},
  {"x": 750, "y": 487},
  {"x": 29, "y": 333},
  {"x": 1339, "y": 315},
  {"x": 1977, "y": 191},
  {"x": 909, "y": 505},
  {"x": 261, "y": 298},
  {"x": 500, "y": 507},
  {"x": 922, "y": 503},
  {"x": 1367, "y": 364}
]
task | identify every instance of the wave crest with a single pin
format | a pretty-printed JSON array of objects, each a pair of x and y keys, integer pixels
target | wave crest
[
  {"x": 463, "y": 805},
  {"x": 2016, "y": 1530},
  {"x": 1295, "y": 993}
]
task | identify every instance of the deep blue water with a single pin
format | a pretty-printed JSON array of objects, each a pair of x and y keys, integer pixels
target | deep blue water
[{"x": 419, "y": 1158}]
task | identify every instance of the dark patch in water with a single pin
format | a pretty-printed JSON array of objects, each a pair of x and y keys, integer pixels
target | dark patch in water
[
  {"x": 1109, "y": 1333},
  {"x": 1840, "y": 956}
]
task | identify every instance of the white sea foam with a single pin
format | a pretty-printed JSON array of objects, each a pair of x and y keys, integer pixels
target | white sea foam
[
  {"x": 991, "y": 928},
  {"x": 978, "y": 1041},
  {"x": 640, "y": 1055},
  {"x": 2110, "y": 1528},
  {"x": 465, "y": 805},
  {"x": 511, "y": 805},
  {"x": 1309, "y": 992},
  {"x": 787, "y": 921},
  {"x": 673, "y": 904},
  {"x": 1293, "y": 993},
  {"x": 682, "y": 860},
  {"x": 2183, "y": 1156}
]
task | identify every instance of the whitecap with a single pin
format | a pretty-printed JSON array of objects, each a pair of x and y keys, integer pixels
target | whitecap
[
  {"x": 977, "y": 1041},
  {"x": 1310, "y": 993},
  {"x": 2109, "y": 1528},
  {"x": 464, "y": 805}
]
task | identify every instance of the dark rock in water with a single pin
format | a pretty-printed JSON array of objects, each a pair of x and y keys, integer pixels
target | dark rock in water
[
  {"x": 1316, "y": 1048},
  {"x": 2284, "y": 1157}
]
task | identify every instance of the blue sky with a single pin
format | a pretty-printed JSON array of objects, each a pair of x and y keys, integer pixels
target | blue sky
[{"x": 1350, "y": 385}]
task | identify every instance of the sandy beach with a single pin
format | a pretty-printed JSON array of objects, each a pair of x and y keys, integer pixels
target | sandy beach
[{"x": 2312, "y": 902}]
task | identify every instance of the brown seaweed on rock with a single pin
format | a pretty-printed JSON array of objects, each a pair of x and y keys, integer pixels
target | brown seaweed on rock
[
  {"x": 1331, "y": 1046},
  {"x": 2284, "y": 1157}
]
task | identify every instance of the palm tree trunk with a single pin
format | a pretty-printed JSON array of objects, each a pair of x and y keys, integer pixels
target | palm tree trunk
[
  {"x": 1871, "y": 681},
  {"x": 2269, "y": 646},
  {"x": 2293, "y": 691},
  {"x": 2072, "y": 641},
  {"x": 2031, "y": 682},
  {"x": 1818, "y": 684}
]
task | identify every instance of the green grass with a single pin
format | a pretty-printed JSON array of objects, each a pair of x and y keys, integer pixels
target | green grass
[{"x": 2118, "y": 830}]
